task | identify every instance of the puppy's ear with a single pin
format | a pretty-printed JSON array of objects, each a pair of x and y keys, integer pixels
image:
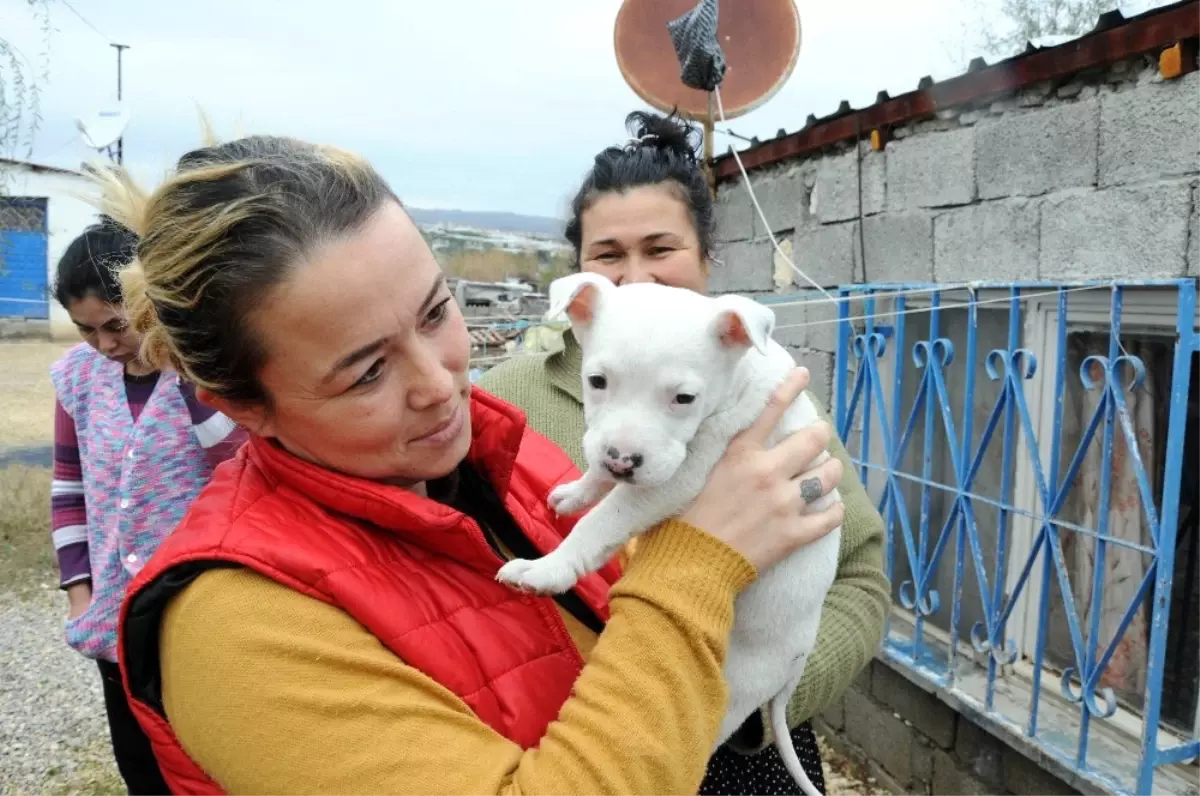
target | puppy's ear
[
  {"x": 578, "y": 295},
  {"x": 743, "y": 322}
]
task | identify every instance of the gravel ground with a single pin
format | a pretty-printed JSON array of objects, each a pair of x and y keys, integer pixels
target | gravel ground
[{"x": 53, "y": 735}]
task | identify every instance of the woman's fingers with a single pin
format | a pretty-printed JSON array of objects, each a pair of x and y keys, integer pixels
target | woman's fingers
[
  {"x": 811, "y": 527},
  {"x": 819, "y": 482},
  {"x": 797, "y": 452}
]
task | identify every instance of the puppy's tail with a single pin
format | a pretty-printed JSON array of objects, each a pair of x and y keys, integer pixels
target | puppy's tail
[{"x": 783, "y": 742}]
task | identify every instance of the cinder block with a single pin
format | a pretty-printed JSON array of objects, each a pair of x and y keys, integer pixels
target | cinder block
[
  {"x": 949, "y": 779},
  {"x": 929, "y": 715},
  {"x": 822, "y": 326},
  {"x": 784, "y": 200},
  {"x": 742, "y": 266},
  {"x": 860, "y": 713},
  {"x": 826, "y": 254},
  {"x": 883, "y": 778},
  {"x": 807, "y": 322},
  {"x": 1029, "y": 154},
  {"x": 836, "y": 190},
  {"x": 1193, "y": 255},
  {"x": 1022, "y": 775},
  {"x": 935, "y": 170},
  {"x": 979, "y": 753},
  {"x": 899, "y": 247},
  {"x": 992, "y": 240},
  {"x": 733, "y": 212},
  {"x": 890, "y": 744},
  {"x": 1149, "y": 132},
  {"x": 835, "y": 715},
  {"x": 790, "y": 329},
  {"x": 1116, "y": 233},
  {"x": 922, "y": 761}
]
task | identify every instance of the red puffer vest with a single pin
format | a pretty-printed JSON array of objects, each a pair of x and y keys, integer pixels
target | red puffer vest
[{"x": 417, "y": 574}]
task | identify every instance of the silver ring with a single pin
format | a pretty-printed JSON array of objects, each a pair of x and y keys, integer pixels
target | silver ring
[{"x": 810, "y": 490}]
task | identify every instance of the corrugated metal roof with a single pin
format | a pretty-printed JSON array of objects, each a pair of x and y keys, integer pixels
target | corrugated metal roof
[{"x": 1114, "y": 38}]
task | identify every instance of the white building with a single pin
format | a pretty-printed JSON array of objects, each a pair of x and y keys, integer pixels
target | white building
[{"x": 41, "y": 211}]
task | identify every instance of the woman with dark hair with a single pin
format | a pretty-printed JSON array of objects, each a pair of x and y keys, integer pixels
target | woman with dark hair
[
  {"x": 326, "y": 619},
  {"x": 645, "y": 214},
  {"x": 132, "y": 449}
]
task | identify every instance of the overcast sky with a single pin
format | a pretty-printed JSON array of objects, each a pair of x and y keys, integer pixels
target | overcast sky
[{"x": 472, "y": 104}]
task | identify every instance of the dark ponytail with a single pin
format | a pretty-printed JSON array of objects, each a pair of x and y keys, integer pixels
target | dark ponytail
[{"x": 663, "y": 150}]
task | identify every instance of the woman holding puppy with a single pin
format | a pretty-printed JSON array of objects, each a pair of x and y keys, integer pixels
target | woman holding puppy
[
  {"x": 326, "y": 618},
  {"x": 645, "y": 214}
]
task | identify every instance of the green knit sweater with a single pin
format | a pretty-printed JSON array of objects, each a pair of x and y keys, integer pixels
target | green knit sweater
[{"x": 548, "y": 388}]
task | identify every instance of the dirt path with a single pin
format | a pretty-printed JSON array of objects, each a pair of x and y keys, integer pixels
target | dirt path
[{"x": 26, "y": 395}]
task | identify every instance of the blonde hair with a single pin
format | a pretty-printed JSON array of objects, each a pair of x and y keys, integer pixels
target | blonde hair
[{"x": 218, "y": 235}]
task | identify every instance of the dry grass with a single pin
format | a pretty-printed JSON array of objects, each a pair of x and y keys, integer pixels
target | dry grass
[
  {"x": 26, "y": 553},
  {"x": 26, "y": 394}
]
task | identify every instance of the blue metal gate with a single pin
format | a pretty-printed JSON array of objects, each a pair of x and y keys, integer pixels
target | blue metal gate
[
  {"x": 914, "y": 403},
  {"x": 24, "y": 290}
]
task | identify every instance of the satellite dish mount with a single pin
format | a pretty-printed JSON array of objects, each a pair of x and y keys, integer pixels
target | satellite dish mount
[
  {"x": 102, "y": 129},
  {"x": 675, "y": 53}
]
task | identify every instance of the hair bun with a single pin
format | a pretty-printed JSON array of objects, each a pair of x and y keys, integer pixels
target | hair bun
[{"x": 666, "y": 133}]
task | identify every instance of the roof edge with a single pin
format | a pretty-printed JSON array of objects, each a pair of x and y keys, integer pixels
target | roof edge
[
  {"x": 1110, "y": 41},
  {"x": 32, "y": 166}
]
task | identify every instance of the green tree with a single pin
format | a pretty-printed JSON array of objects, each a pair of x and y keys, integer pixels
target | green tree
[
  {"x": 999, "y": 29},
  {"x": 21, "y": 77},
  {"x": 1023, "y": 20}
]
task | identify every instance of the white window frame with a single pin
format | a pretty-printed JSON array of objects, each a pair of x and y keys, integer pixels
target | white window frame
[{"x": 1148, "y": 311}]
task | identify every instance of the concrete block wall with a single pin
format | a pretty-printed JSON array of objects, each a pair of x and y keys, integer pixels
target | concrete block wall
[
  {"x": 1094, "y": 178},
  {"x": 912, "y": 742}
]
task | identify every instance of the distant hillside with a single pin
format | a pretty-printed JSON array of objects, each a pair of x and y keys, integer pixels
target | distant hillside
[
  {"x": 505, "y": 222},
  {"x": 491, "y": 255}
]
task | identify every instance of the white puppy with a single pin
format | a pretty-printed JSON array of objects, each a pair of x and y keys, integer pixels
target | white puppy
[{"x": 669, "y": 377}]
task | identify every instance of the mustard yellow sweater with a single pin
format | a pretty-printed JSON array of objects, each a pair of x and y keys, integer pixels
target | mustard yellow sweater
[
  {"x": 548, "y": 388},
  {"x": 270, "y": 691}
]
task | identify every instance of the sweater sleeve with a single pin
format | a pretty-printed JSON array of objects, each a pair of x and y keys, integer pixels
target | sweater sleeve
[
  {"x": 68, "y": 508},
  {"x": 219, "y": 436},
  {"x": 270, "y": 691}
]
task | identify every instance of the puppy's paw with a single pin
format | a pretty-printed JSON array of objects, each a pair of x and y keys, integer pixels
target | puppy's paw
[
  {"x": 570, "y": 498},
  {"x": 542, "y": 576}
]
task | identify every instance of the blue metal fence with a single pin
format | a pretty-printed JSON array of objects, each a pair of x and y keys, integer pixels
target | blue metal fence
[{"x": 891, "y": 386}]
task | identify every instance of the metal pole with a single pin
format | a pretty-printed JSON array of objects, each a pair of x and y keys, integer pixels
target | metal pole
[{"x": 120, "y": 48}]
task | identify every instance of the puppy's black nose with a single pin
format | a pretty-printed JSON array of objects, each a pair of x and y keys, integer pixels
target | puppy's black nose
[{"x": 630, "y": 462}]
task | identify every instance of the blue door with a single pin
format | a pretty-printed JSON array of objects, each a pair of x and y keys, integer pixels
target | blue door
[{"x": 24, "y": 292}]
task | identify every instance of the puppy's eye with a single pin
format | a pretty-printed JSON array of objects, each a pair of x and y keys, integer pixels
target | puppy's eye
[
  {"x": 597, "y": 382},
  {"x": 684, "y": 398}
]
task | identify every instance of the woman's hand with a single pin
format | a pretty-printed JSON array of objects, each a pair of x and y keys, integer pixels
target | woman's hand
[
  {"x": 79, "y": 595},
  {"x": 753, "y": 501}
]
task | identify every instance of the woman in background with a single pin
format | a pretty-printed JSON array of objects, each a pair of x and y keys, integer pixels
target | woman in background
[
  {"x": 132, "y": 449},
  {"x": 645, "y": 214}
]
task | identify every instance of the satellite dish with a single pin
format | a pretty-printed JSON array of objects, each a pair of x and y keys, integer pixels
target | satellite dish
[
  {"x": 101, "y": 129},
  {"x": 760, "y": 39}
]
